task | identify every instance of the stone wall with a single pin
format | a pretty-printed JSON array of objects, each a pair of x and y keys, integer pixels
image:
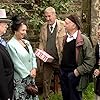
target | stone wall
[{"x": 95, "y": 18}]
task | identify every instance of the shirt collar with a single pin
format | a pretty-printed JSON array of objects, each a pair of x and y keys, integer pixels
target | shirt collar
[
  {"x": 71, "y": 37},
  {"x": 53, "y": 25},
  {"x": 74, "y": 35},
  {"x": 98, "y": 42}
]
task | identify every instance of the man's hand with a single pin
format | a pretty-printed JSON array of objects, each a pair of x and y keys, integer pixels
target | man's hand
[
  {"x": 96, "y": 72},
  {"x": 76, "y": 72}
]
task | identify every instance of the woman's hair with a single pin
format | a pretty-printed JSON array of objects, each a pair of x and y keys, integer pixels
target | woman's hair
[{"x": 16, "y": 23}]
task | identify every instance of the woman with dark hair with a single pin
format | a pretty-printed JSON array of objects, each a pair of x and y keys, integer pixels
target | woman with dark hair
[{"x": 23, "y": 58}]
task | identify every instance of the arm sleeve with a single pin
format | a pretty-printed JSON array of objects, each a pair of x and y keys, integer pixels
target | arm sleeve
[
  {"x": 4, "y": 93},
  {"x": 41, "y": 39},
  {"x": 34, "y": 61},
  {"x": 18, "y": 64},
  {"x": 88, "y": 60}
]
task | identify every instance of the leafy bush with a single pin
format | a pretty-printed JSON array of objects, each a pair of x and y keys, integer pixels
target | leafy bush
[
  {"x": 33, "y": 11},
  {"x": 89, "y": 93}
]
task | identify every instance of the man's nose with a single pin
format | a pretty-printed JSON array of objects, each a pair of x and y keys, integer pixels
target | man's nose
[{"x": 25, "y": 32}]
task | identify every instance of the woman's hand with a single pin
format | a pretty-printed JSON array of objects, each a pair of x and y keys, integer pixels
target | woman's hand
[
  {"x": 33, "y": 73},
  {"x": 96, "y": 72}
]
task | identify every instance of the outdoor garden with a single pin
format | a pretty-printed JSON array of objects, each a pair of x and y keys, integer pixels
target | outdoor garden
[{"x": 32, "y": 11}]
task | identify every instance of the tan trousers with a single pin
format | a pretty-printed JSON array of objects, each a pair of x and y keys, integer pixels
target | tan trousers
[{"x": 48, "y": 70}]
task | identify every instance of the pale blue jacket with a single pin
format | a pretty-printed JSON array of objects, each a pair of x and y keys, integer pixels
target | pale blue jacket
[{"x": 23, "y": 61}]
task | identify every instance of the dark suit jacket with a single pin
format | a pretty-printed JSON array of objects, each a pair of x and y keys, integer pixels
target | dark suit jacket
[{"x": 6, "y": 74}]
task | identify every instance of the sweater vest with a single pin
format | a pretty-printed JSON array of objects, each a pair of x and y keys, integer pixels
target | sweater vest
[
  {"x": 69, "y": 55},
  {"x": 51, "y": 42}
]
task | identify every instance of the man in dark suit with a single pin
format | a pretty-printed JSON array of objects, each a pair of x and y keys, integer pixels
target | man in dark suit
[{"x": 6, "y": 65}]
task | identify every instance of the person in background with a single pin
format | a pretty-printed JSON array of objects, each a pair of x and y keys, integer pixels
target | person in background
[
  {"x": 97, "y": 66},
  {"x": 6, "y": 64},
  {"x": 51, "y": 41},
  {"x": 23, "y": 58},
  {"x": 77, "y": 60}
]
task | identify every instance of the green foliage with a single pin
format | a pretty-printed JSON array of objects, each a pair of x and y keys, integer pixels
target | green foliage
[
  {"x": 53, "y": 97},
  {"x": 87, "y": 95},
  {"x": 56, "y": 97},
  {"x": 33, "y": 11}
]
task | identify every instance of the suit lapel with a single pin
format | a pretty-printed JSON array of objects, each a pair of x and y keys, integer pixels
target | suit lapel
[
  {"x": 20, "y": 47},
  {"x": 3, "y": 48}
]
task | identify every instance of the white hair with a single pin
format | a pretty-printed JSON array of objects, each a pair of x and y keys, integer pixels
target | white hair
[{"x": 50, "y": 9}]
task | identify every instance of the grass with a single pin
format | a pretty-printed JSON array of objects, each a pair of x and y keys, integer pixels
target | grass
[
  {"x": 53, "y": 97},
  {"x": 87, "y": 95}
]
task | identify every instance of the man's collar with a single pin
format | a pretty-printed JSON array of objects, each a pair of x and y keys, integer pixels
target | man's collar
[
  {"x": 54, "y": 24},
  {"x": 74, "y": 35}
]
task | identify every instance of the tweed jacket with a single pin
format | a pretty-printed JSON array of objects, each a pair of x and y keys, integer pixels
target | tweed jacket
[
  {"x": 59, "y": 37},
  {"x": 85, "y": 59},
  {"x": 24, "y": 61}
]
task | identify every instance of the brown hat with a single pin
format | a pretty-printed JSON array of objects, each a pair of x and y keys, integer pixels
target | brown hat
[
  {"x": 75, "y": 20},
  {"x": 3, "y": 17}
]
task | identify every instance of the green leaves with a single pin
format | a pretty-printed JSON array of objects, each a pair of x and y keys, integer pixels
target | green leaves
[{"x": 33, "y": 10}]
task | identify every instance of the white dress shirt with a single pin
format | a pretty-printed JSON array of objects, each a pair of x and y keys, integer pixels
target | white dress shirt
[
  {"x": 53, "y": 26},
  {"x": 71, "y": 37}
]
